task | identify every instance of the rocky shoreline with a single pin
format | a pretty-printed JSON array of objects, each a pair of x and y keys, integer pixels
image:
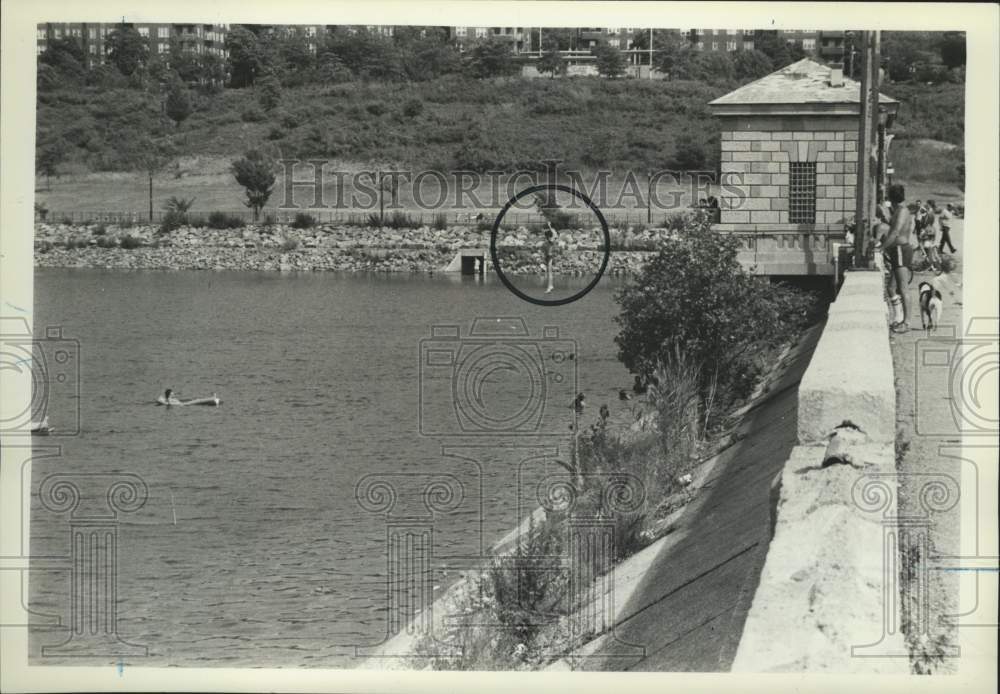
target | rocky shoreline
[{"x": 282, "y": 248}]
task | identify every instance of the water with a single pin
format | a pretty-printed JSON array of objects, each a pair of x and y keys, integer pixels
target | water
[{"x": 272, "y": 560}]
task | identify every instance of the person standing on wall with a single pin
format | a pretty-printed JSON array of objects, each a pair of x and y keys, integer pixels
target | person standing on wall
[{"x": 897, "y": 251}]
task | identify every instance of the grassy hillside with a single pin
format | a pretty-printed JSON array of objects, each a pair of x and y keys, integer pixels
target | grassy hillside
[{"x": 452, "y": 122}]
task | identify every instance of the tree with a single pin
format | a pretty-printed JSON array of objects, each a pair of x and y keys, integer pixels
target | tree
[
  {"x": 689, "y": 155},
  {"x": 48, "y": 157},
  {"x": 255, "y": 172},
  {"x": 771, "y": 44},
  {"x": 269, "y": 91},
  {"x": 66, "y": 56},
  {"x": 127, "y": 50},
  {"x": 694, "y": 298},
  {"x": 558, "y": 39},
  {"x": 491, "y": 58},
  {"x": 673, "y": 55},
  {"x": 952, "y": 49},
  {"x": 610, "y": 61},
  {"x": 552, "y": 62},
  {"x": 178, "y": 104},
  {"x": 751, "y": 65},
  {"x": 429, "y": 61},
  {"x": 243, "y": 56},
  {"x": 150, "y": 156}
]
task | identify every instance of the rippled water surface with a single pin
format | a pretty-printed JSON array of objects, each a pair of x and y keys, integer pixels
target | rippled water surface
[{"x": 253, "y": 547}]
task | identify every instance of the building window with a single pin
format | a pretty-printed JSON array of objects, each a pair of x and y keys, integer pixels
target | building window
[
  {"x": 809, "y": 44},
  {"x": 144, "y": 32},
  {"x": 613, "y": 30},
  {"x": 614, "y": 43},
  {"x": 92, "y": 32},
  {"x": 39, "y": 49},
  {"x": 41, "y": 34},
  {"x": 748, "y": 45},
  {"x": 57, "y": 33},
  {"x": 730, "y": 45},
  {"x": 802, "y": 193},
  {"x": 715, "y": 45},
  {"x": 459, "y": 31},
  {"x": 93, "y": 49},
  {"x": 163, "y": 32},
  {"x": 481, "y": 32},
  {"x": 700, "y": 45}
]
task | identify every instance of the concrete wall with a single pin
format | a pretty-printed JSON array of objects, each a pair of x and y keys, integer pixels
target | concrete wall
[{"x": 827, "y": 599}]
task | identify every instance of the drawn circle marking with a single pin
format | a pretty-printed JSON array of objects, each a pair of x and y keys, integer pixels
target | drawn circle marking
[{"x": 496, "y": 260}]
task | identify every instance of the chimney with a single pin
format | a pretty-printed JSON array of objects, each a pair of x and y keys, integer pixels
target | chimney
[{"x": 836, "y": 75}]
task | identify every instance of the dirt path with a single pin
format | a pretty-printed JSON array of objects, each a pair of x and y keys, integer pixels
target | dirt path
[{"x": 928, "y": 459}]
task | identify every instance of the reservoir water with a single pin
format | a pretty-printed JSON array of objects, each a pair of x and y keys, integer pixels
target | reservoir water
[{"x": 253, "y": 547}]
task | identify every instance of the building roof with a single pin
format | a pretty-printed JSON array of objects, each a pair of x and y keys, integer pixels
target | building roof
[{"x": 802, "y": 87}]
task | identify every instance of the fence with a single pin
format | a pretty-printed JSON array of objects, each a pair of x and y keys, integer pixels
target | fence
[{"x": 394, "y": 217}]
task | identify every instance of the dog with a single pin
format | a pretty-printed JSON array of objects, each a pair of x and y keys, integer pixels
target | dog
[{"x": 931, "y": 305}]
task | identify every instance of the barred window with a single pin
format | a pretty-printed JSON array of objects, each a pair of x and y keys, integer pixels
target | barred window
[{"x": 802, "y": 193}]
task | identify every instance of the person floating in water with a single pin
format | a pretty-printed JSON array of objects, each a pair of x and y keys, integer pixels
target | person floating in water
[
  {"x": 548, "y": 250},
  {"x": 579, "y": 403},
  {"x": 638, "y": 386}
]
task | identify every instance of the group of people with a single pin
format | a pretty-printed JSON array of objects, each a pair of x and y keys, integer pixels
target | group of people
[{"x": 902, "y": 229}]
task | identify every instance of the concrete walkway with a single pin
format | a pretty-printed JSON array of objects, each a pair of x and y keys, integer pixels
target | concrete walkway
[
  {"x": 928, "y": 443},
  {"x": 687, "y": 611}
]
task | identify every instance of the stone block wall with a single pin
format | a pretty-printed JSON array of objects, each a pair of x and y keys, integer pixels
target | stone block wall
[{"x": 758, "y": 152}]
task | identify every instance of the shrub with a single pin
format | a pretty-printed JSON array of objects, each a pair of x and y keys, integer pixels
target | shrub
[
  {"x": 99, "y": 230},
  {"x": 413, "y": 108},
  {"x": 252, "y": 114},
  {"x": 695, "y": 296},
  {"x": 440, "y": 221},
  {"x": 376, "y": 109},
  {"x": 107, "y": 242},
  {"x": 128, "y": 242},
  {"x": 171, "y": 221},
  {"x": 400, "y": 220},
  {"x": 303, "y": 221},
  {"x": 223, "y": 220},
  {"x": 276, "y": 132},
  {"x": 289, "y": 245},
  {"x": 41, "y": 211}
]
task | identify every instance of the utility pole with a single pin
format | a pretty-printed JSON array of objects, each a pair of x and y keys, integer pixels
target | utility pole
[
  {"x": 651, "y": 53},
  {"x": 868, "y": 98}
]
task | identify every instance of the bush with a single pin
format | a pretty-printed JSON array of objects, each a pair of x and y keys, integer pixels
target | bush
[
  {"x": 252, "y": 114},
  {"x": 376, "y": 109},
  {"x": 223, "y": 220},
  {"x": 41, "y": 211},
  {"x": 107, "y": 242},
  {"x": 128, "y": 242},
  {"x": 99, "y": 230},
  {"x": 400, "y": 220},
  {"x": 303, "y": 221},
  {"x": 413, "y": 108},
  {"x": 440, "y": 221},
  {"x": 276, "y": 132},
  {"x": 171, "y": 221},
  {"x": 289, "y": 245},
  {"x": 695, "y": 296}
]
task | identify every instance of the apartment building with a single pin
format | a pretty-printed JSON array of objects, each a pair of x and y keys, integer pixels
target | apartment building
[
  {"x": 726, "y": 40},
  {"x": 197, "y": 38},
  {"x": 520, "y": 38}
]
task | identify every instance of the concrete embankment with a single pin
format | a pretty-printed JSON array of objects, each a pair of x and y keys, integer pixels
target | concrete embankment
[
  {"x": 680, "y": 603},
  {"x": 327, "y": 247},
  {"x": 827, "y": 599}
]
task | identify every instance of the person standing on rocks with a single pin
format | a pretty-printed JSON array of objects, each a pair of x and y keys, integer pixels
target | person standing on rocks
[{"x": 548, "y": 250}]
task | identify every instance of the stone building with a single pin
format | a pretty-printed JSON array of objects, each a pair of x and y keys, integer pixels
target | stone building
[{"x": 789, "y": 165}]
